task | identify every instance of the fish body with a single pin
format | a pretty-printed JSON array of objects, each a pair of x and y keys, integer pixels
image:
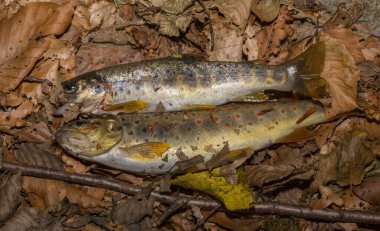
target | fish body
[
  {"x": 150, "y": 142},
  {"x": 174, "y": 84}
]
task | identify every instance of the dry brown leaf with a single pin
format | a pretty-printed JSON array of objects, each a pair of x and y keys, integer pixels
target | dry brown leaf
[
  {"x": 15, "y": 69},
  {"x": 59, "y": 49},
  {"x": 102, "y": 14},
  {"x": 10, "y": 194},
  {"x": 266, "y": 10},
  {"x": 236, "y": 11},
  {"x": 345, "y": 37},
  {"x": 345, "y": 161},
  {"x": 232, "y": 223},
  {"x": 25, "y": 218},
  {"x": 16, "y": 116},
  {"x": 20, "y": 50},
  {"x": 328, "y": 197},
  {"x": 371, "y": 50},
  {"x": 351, "y": 201},
  {"x": 48, "y": 70},
  {"x": 342, "y": 75},
  {"x": 285, "y": 161},
  {"x": 271, "y": 38},
  {"x": 37, "y": 133},
  {"x": 96, "y": 56},
  {"x": 368, "y": 190},
  {"x": 132, "y": 210},
  {"x": 228, "y": 42}
]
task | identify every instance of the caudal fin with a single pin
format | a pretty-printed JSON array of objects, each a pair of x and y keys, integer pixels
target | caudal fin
[{"x": 306, "y": 68}]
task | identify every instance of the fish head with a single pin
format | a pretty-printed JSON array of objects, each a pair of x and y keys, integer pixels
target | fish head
[
  {"x": 90, "y": 137},
  {"x": 86, "y": 87}
]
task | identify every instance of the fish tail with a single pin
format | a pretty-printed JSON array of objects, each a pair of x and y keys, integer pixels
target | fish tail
[{"x": 306, "y": 69}]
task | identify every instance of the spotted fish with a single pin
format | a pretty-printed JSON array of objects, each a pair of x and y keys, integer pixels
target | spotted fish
[
  {"x": 174, "y": 84},
  {"x": 151, "y": 142}
]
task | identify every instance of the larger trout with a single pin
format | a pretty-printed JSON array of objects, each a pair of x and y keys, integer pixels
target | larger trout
[
  {"x": 150, "y": 143},
  {"x": 173, "y": 84}
]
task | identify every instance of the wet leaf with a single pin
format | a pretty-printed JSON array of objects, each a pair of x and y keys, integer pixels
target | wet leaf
[
  {"x": 37, "y": 133},
  {"x": 10, "y": 194},
  {"x": 266, "y": 10},
  {"x": 132, "y": 210},
  {"x": 285, "y": 161},
  {"x": 236, "y": 11},
  {"x": 228, "y": 42},
  {"x": 342, "y": 76},
  {"x": 19, "y": 35},
  {"x": 369, "y": 190},
  {"x": 345, "y": 161},
  {"x": 25, "y": 217},
  {"x": 176, "y": 6}
]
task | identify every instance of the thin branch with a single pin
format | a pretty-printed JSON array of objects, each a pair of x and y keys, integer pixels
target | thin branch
[
  {"x": 262, "y": 208},
  {"x": 204, "y": 219}
]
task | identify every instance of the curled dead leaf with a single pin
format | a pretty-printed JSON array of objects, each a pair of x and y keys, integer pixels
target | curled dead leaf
[
  {"x": 10, "y": 194},
  {"x": 228, "y": 42},
  {"x": 236, "y": 11},
  {"x": 368, "y": 190},
  {"x": 266, "y": 10},
  {"x": 25, "y": 218},
  {"x": 176, "y": 6},
  {"x": 342, "y": 76}
]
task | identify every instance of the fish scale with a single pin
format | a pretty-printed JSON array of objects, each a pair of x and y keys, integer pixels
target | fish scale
[{"x": 149, "y": 142}]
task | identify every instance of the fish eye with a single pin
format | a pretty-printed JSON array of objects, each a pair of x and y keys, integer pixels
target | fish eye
[
  {"x": 99, "y": 89},
  {"x": 70, "y": 88}
]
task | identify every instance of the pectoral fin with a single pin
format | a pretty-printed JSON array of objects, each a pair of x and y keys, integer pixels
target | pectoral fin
[
  {"x": 299, "y": 134},
  {"x": 150, "y": 150},
  {"x": 254, "y": 97},
  {"x": 130, "y": 106}
]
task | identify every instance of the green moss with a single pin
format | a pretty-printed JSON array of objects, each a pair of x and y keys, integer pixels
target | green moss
[{"x": 235, "y": 197}]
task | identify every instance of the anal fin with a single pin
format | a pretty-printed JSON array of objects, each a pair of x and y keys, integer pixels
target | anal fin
[
  {"x": 130, "y": 106},
  {"x": 299, "y": 134}
]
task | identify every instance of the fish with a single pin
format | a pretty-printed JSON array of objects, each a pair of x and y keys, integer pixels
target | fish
[
  {"x": 151, "y": 143},
  {"x": 188, "y": 83}
]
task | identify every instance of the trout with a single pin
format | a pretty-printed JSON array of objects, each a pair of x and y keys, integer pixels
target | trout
[
  {"x": 175, "y": 84},
  {"x": 151, "y": 142}
]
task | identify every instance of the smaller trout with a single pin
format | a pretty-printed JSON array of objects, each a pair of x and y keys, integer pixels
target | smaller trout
[
  {"x": 150, "y": 143},
  {"x": 176, "y": 84}
]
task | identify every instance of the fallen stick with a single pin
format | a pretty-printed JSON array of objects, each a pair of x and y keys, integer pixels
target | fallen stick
[{"x": 262, "y": 208}]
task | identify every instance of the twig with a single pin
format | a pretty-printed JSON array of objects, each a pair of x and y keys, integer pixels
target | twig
[
  {"x": 172, "y": 210},
  {"x": 262, "y": 208},
  {"x": 204, "y": 219}
]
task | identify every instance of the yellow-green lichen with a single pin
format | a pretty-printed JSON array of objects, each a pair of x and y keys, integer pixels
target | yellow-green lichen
[{"x": 234, "y": 196}]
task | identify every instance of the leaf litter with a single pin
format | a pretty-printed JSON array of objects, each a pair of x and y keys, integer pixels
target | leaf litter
[{"x": 67, "y": 38}]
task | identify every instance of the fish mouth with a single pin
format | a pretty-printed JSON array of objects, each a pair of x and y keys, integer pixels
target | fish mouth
[{"x": 73, "y": 142}]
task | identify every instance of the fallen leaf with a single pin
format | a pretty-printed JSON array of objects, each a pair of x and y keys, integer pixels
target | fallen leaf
[
  {"x": 228, "y": 42},
  {"x": 351, "y": 201},
  {"x": 25, "y": 218},
  {"x": 328, "y": 197},
  {"x": 10, "y": 194},
  {"x": 102, "y": 14},
  {"x": 176, "y": 6},
  {"x": 37, "y": 133},
  {"x": 266, "y": 10},
  {"x": 368, "y": 190},
  {"x": 347, "y": 38},
  {"x": 132, "y": 210},
  {"x": 342, "y": 76},
  {"x": 284, "y": 162},
  {"x": 16, "y": 116},
  {"x": 345, "y": 161},
  {"x": 95, "y": 56},
  {"x": 345, "y": 15},
  {"x": 234, "y": 223},
  {"x": 19, "y": 38},
  {"x": 236, "y": 11}
]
